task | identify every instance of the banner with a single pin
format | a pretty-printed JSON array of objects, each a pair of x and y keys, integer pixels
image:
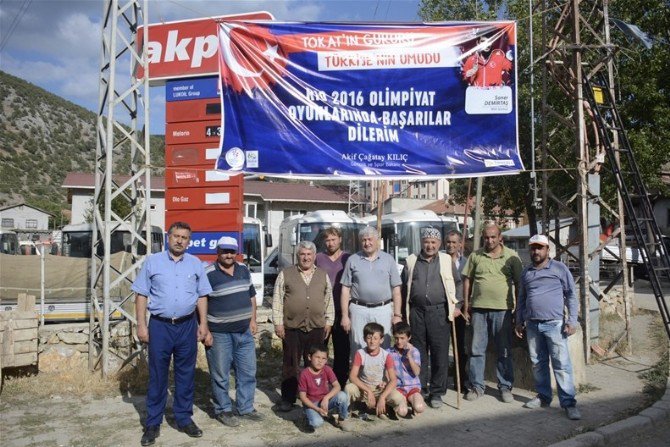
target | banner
[{"x": 364, "y": 100}]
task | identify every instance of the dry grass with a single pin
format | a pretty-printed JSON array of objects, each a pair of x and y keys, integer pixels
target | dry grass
[{"x": 70, "y": 376}]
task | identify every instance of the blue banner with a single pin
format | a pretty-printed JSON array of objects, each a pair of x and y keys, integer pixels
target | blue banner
[
  {"x": 204, "y": 242},
  {"x": 315, "y": 100},
  {"x": 194, "y": 88}
]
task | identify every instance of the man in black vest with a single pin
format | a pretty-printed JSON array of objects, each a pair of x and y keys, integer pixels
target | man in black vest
[
  {"x": 428, "y": 286},
  {"x": 303, "y": 315}
]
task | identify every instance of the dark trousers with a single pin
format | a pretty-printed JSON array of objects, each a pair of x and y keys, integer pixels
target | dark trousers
[
  {"x": 296, "y": 346},
  {"x": 431, "y": 335},
  {"x": 180, "y": 342},
  {"x": 461, "y": 328},
  {"x": 341, "y": 348}
]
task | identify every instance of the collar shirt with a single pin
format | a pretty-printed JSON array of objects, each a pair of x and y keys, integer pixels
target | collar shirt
[
  {"x": 371, "y": 281},
  {"x": 545, "y": 292},
  {"x": 172, "y": 286}
]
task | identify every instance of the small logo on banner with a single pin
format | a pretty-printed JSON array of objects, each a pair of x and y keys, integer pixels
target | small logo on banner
[
  {"x": 235, "y": 158},
  {"x": 252, "y": 159}
]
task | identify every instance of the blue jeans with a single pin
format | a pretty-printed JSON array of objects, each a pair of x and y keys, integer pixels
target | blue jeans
[
  {"x": 546, "y": 340},
  {"x": 498, "y": 324},
  {"x": 339, "y": 402},
  {"x": 239, "y": 351}
]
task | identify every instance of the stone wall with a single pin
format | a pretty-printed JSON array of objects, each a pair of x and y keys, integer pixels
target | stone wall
[{"x": 69, "y": 337}]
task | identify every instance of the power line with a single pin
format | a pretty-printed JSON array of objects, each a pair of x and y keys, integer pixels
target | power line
[{"x": 17, "y": 19}]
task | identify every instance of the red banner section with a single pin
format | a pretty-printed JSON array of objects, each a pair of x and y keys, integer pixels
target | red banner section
[
  {"x": 203, "y": 198},
  {"x": 193, "y": 132},
  {"x": 205, "y": 220},
  {"x": 195, "y": 110},
  {"x": 197, "y": 154},
  {"x": 186, "y": 48},
  {"x": 199, "y": 177}
]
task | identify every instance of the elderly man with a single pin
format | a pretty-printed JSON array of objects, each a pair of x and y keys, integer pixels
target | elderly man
[
  {"x": 453, "y": 245},
  {"x": 370, "y": 291},
  {"x": 303, "y": 314},
  {"x": 547, "y": 288},
  {"x": 428, "y": 286},
  {"x": 172, "y": 285},
  {"x": 231, "y": 314},
  {"x": 333, "y": 261},
  {"x": 490, "y": 283}
]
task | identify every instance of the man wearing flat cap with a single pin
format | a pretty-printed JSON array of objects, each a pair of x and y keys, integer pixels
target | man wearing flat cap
[
  {"x": 231, "y": 315},
  {"x": 428, "y": 287},
  {"x": 547, "y": 288}
]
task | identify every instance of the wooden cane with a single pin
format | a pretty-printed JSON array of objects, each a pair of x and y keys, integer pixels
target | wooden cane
[{"x": 458, "y": 372}]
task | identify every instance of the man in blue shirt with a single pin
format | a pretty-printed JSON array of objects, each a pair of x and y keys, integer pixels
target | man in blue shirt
[
  {"x": 172, "y": 285},
  {"x": 547, "y": 287},
  {"x": 231, "y": 314}
]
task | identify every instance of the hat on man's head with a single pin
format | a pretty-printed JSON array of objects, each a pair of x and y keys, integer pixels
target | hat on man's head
[
  {"x": 539, "y": 239},
  {"x": 430, "y": 232},
  {"x": 227, "y": 243}
]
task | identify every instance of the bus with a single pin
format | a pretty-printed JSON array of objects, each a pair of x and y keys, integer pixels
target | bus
[
  {"x": 77, "y": 241},
  {"x": 254, "y": 243},
  {"x": 310, "y": 226},
  {"x": 401, "y": 231},
  {"x": 9, "y": 242}
]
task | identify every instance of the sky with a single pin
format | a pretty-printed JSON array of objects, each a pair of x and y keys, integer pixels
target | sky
[{"x": 56, "y": 44}]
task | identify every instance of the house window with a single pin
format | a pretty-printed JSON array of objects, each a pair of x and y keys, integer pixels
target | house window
[
  {"x": 31, "y": 223},
  {"x": 7, "y": 223},
  {"x": 289, "y": 213},
  {"x": 250, "y": 209}
]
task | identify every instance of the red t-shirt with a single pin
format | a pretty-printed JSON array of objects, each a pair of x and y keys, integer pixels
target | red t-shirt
[{"x": 315, "y": 386}]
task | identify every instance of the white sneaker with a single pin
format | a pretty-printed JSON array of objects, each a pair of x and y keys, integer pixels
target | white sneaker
[{"x": 535, "y": 402}]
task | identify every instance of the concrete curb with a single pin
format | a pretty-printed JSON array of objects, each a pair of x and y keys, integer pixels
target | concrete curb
[{"x": 658, "y": 413}]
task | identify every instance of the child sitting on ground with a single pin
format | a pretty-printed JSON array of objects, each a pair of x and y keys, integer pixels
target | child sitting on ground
[
  {"x": 320, "y": 392},
  {"x": 407, "y": 361},
  {"x": 372, "y": 374}
]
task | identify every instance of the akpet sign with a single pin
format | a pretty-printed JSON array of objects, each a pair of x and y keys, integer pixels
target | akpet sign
[{"x": 186, "y": 48}]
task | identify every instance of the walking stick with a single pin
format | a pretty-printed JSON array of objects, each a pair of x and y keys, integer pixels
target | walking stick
[{"x": 458, "y": 372}]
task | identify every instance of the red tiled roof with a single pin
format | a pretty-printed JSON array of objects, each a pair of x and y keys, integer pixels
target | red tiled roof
[
  {"x": 268, "y": 191},
  {"x": 291, "y": 192},
  {"x": 84, "y": 180}
]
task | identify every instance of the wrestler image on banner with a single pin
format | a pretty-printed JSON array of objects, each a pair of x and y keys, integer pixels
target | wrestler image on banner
[{"x": 490, "y": 62}]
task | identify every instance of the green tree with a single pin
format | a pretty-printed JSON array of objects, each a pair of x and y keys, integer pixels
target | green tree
[{"x": 641, "y": 81}]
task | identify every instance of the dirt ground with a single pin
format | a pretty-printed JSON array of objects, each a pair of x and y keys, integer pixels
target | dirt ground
[{"x": 65, "y": 405}]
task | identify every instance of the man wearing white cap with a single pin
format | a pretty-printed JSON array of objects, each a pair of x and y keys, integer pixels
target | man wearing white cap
[
  {"x": 546, "y": 289},
  {"x": 428, "y": 287},
  {"x": 231, "y": 315}
]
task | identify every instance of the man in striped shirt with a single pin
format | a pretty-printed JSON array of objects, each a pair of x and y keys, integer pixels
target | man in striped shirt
[{"x": 231, "y": 315}]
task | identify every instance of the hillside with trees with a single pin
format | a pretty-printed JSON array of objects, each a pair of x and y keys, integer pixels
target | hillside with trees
[{"x": 42, "y": 138}]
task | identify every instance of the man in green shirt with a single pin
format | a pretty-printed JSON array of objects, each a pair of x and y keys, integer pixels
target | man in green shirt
[{"x": 490, "y": 284}]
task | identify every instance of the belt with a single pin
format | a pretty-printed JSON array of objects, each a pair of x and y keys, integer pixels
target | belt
[
  {"x": 369, "y": 305},
  {"x": 173, "y": 320}
]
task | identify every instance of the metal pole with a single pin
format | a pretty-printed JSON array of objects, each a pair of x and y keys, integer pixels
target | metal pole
[
  {"x": 582, "y": 179},
  {"x": 42, "y": 270},
  {"x": 478, "y": 214}
]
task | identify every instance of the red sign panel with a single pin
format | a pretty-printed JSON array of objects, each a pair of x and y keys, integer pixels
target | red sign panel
[
  {"x": 200, "y": 177},
  {"x": 197, "y": 154},
  {"x": 193, "y": 110},
  {"x": 221, "y": 198},
  {"x": 206, "y": 220},
  {"x": 186, "y": 48},
  {"x": 193, "y": 132}
]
